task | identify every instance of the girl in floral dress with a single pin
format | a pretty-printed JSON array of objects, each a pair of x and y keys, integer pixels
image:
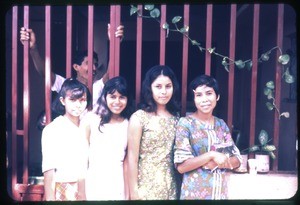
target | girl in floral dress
[
  {"x": 204, "y": 149},
  {"x": 151, "y": 134}
]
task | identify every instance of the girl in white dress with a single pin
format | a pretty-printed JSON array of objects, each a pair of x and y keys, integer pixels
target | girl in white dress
[
  {"x": 106, "y": 132},
  {"x": 64, "y": 149}
]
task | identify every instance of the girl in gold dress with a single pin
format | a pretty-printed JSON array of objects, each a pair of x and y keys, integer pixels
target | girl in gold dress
[{"x": 151, "y": 134}]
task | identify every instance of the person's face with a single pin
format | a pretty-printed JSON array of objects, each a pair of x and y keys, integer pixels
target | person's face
[
  {"x": 205, "y": 99},
  {"x": 74, "y": 107},
  {"x": 116, "y": 102},
  {"x": 162, "y": 90},
  {"x": 82, "y": 69}
]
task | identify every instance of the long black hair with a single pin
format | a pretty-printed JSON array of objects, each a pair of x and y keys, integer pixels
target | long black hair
[
  {"x": 147, "y": 102},
  {"x": 118, "y": 84}
]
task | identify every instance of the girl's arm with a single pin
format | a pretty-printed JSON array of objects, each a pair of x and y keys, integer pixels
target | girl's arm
[
  {"x": 49, "y": 185},
  {"x": 134, "y": 138},
  {"x": 125, "y": 172}
]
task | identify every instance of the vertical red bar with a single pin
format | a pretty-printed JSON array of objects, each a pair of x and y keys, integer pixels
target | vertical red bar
[
  {"x": 162, "y": 56},
  {"x": 231, "y": 70},
  {"x": 112, "y": 41},
  {"x": 185, "y": 52},
  {"x": 48, "y": 63},
  {"x": 90, "y": 47},
  {"x": 117, "y": 41},
  {"x": 209, "y": 15},
  {"x": 69, "y": 42},
  {"x": 254, "y": 73},
  {"x": 26, "y": 100},
  {"x": 139, "y": 31},
  {"x": 14, "y": 101},
  {"x": 280, "y": 22}
]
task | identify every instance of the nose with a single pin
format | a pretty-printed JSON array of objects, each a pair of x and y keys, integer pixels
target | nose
[{"x": 163, "y": 90}]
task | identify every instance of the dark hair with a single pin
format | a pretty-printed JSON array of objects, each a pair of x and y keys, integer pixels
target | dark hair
[
  {"x": 79, "y": 57},
  {"x": 147, "y": 102},
  {"x": 118, "y": 84},
  {"x": 77, "y": 90},
  {"x": 204, "y": 80}
]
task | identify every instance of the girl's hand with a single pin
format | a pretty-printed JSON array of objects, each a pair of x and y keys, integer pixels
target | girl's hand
[
  {"x": 220, "y": 159},
  {"x": 210, "y": 165}
]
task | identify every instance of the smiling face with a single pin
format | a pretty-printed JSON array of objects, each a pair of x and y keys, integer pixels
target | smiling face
[
  {"x": 162, "y": 90},
  {"x": 116, "y": 102},
  {"x": 205, "y": 99}
]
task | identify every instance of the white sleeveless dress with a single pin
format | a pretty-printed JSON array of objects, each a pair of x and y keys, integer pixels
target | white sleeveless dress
[{"x": 105, "y": 178}]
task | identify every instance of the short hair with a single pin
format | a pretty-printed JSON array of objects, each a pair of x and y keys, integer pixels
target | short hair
[
  {"x": 80, "y": 55},
  {"x": 77, "y": 90},
  {"x": 120, "y": 85},
  {"x": 204, "y": 80},
  {"x": 147, "y": 102}
]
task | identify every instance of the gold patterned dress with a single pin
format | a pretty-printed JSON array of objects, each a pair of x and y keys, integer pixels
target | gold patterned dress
[{"x": 156, "y": 172}]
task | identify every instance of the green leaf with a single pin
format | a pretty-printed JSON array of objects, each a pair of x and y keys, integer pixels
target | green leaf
[
  {"x": 165, "y": 26},
  {"x": 249, "y": 65},
  {"x": 133, "y": 10},
  {"x": 272, "y": 155},
  {"x": 195, "y": 43},
  {"x": 289, "y": 78},
  {"x": 211, "y": 50},
  {"x": 254, "y": 148},
  {"x": 267, "y": 91},
  {"x": 240, "y": 64},
  {"x": 185, "y": 29},
  {"x": 284, "y": 59},
  {"x": 176, "y": 19},
  {"x": 270, "y": 96},
  {"x": 270, "y": 85},
  {"x": 269, "y": 106},
  {"x": 268, "y": 148},
  {"x": 265, "y": 57},
  {"x": 149, "y": 7},
  {"x": 263, "y": 137},
  {"x": 155, "y": 13}
]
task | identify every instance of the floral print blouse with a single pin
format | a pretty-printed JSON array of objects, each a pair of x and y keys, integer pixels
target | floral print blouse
[{"x": 194, "y": 138}]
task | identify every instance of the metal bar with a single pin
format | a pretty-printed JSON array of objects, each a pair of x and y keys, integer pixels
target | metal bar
[
  {"x": 112, "y": 41},
  {"x": 185, "y": 52},
  {"x": 26, "y": 100},
  {"x": 280, "y": 22},
  {"x": 69, "y": 42},
  {"x": 231, "y": 70},
  {"x": 90, "y": 48},
  {"x": 139, "y": 31},
  {"x": 162, "y": 56},
  {"x": 209, "y": 16},
  {"x": 14, "y": 101},
  {"x": 117, "y": 41},
  {"x": 48, "y": 63},
  {"x": 255, "y": 41}
]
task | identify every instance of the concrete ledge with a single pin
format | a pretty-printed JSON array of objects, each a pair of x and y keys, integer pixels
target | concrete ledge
[{"x": 262, "y": 186}]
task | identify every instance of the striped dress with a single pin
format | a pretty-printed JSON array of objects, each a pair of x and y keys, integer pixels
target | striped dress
[{"x": 194, "y": 138}]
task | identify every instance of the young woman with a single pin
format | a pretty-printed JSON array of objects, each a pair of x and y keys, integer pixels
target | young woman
[
  {"x": 64, "y": 148},
  {"x": 106, "y": 132},
  {"x": 204, "y": 149},
  {"x": 151, "y": 133}
]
